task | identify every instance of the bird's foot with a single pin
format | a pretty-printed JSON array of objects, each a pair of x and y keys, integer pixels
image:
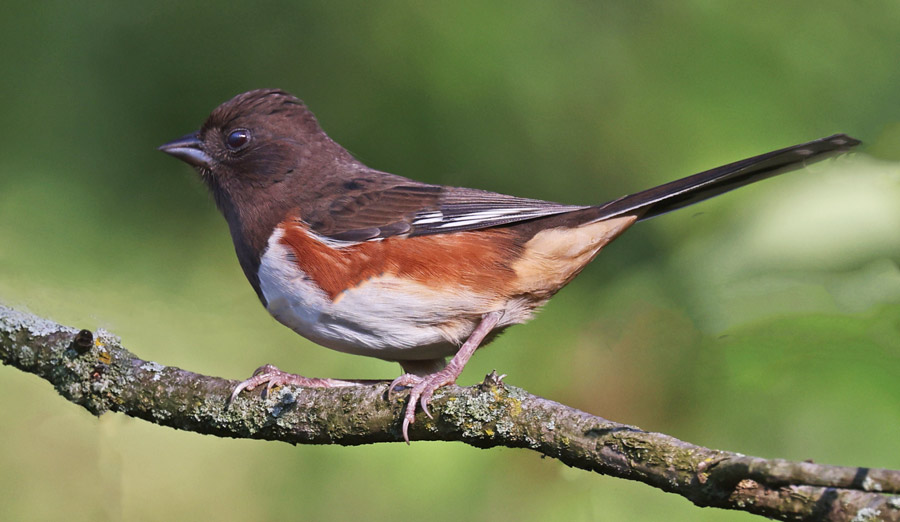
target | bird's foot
[
  {"x": 421, "y": 389},
  {"x": 272, "y": 377}
]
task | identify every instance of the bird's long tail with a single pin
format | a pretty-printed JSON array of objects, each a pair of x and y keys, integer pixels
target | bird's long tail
[{"x": 692, "y": 189}]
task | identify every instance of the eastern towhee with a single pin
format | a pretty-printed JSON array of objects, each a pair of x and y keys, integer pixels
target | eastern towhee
[{"x": 371, "y": 263}]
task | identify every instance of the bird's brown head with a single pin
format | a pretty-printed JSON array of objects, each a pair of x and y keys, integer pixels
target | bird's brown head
[
  {"x": 254, "y": 141},
  {"x": 261, "y": 154}
]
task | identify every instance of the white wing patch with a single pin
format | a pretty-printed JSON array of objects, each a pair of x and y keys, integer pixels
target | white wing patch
[
  {"x": 476, "y": 218},
  {"x": 427, "y": 218}
]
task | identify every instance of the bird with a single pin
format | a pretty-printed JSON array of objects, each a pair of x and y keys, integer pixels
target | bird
[{"x": 376, "y": 264}]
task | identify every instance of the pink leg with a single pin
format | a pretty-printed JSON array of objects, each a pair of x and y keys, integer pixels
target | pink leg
[
  {"x": 272, "y": 377},
  {"x": 423, "y": 387}
]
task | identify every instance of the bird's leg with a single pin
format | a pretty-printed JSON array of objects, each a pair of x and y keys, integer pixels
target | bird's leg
[
  {"x": 273, "y": 377},
  {"x": 423, "y": 387}
]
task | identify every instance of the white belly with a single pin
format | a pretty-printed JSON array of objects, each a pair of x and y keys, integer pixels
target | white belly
[{"x": 384, "y": 317}]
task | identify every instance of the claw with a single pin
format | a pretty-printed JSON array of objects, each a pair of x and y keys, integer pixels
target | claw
[
  {"x": 424, "y": 400},
  {"x": 237, "y": 390},
  {"x": 406, "y": 429},
  {"x": 264, "y": 374},
  {"x": 266, "y": 368},
  {"x": 407, "y": 380},
  {"x": 420, "y": 394}
]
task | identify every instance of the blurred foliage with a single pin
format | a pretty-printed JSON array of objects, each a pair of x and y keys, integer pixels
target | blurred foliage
[{"x": 765, "y": 321}]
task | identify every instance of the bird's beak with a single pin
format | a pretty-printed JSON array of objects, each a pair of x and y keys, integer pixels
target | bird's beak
[{"x": 189, "y": 149}]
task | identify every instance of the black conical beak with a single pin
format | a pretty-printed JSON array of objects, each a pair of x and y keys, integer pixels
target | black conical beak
[{"x": 188, "y": 149}]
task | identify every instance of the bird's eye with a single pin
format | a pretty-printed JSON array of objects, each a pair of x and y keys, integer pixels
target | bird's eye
[{"x": 238, "y": 139}]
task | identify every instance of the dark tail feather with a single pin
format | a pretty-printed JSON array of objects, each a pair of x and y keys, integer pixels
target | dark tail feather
[{"x": 696, "y": 188}]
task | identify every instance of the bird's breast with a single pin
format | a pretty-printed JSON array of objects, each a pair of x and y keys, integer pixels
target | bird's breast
[{"x": 383, "y": 299}]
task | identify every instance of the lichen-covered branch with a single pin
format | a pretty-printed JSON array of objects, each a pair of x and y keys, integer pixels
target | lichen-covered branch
[{"x": 94, "y": 370}]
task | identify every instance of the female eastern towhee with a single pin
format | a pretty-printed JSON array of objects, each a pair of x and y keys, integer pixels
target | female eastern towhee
[{"x": 375, "y": 264}]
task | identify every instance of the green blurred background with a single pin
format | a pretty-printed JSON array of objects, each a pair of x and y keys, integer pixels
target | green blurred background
[{"x": 765, "y": 322}]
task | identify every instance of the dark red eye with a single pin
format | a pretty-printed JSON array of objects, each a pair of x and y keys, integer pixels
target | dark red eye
[{"x": 238, "y": 139}]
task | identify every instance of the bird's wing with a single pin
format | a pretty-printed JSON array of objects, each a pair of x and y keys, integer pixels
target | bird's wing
[{"x": 408, "y": 208}]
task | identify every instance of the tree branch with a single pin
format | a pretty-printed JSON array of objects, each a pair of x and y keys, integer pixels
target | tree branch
[{"x": 95, "y": 371}]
